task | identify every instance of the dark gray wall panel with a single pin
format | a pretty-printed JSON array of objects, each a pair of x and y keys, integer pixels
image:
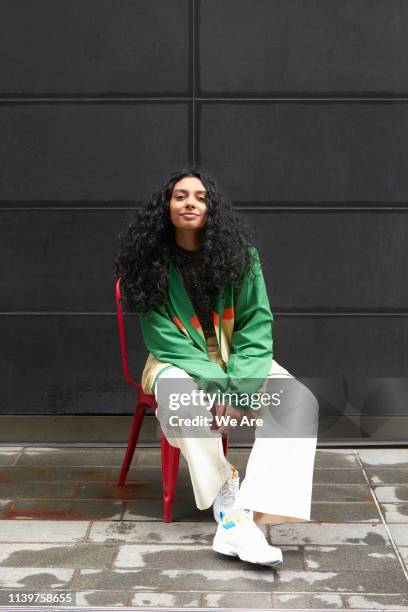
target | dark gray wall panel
[
  {"x": 337, "y": 346},
  {"x": 57, "y": 364},
  {"x": 70, "y": 364},
  {"x": 89, "y": 151},
  {"x": 307, "y": 152},
  {"x": 303, "y": 47},
  {"x": 64, "y": 263},
  {"x": 320, "y": 260},
  {"x": 94, "y": 47},
  {"x": 334, "y": 260}
]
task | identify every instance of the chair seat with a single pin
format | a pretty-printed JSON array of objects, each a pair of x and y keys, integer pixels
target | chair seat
[{"x": 147, "y": 399}]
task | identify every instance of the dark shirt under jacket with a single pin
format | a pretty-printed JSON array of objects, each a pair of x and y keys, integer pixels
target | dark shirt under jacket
[{"x": 187, "y": 263}]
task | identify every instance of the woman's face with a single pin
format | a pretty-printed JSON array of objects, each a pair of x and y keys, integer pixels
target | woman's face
[{"x": 188, "y": 208}]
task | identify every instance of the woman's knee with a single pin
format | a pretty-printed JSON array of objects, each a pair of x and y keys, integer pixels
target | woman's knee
[
  {"x": 294, "y": 388},
  {"x": 175, "y": 390},
  {"x": 169, "y": 373},
  {"x": 278, "y": 371}
]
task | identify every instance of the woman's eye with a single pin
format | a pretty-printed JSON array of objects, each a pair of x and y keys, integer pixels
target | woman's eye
[{"x": 180, "y": 197}]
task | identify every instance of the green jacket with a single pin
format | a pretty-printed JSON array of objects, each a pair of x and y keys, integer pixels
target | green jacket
[{"x": 242, "y": 324}]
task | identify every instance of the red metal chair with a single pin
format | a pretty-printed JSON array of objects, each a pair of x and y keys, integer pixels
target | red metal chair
[{"x": 170, "y": 455}]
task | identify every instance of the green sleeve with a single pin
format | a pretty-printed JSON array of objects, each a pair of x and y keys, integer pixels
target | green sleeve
[
  {"x": 251, "y": 354},
  {"x": 166, "y": 342}
]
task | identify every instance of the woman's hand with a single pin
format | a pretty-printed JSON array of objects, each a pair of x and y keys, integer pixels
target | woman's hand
[{"x": 227, "y": 411}]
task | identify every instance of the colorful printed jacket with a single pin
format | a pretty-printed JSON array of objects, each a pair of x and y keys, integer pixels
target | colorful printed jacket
[{"x": 243, "y": 327}]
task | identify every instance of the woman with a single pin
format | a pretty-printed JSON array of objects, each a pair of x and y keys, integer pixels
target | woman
[{"x": 191, "y": 273}]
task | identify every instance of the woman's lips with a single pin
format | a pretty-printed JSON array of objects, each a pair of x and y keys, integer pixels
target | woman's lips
[{"x": 189, "y": 216}]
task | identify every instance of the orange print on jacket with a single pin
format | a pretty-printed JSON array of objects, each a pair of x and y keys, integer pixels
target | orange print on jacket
[
  {"x": 179, "y": 324},
  {"x": 228, "y": 313},
  {"x": 195, "y": 322}
]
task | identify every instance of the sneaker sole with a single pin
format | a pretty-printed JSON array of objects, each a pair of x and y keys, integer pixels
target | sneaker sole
[{"x": 224, "y": 550}]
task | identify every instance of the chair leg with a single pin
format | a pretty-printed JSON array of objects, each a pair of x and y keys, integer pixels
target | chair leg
[
  {"x": 225, "y": 444},
  {"x": 170, "y": 463},
  {"x": 133, "y": 437}
]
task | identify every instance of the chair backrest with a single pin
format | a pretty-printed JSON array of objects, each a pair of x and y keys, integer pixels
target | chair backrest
[
  {"x": 122, "y": 337},
  {"x": 143, "y": 398}
]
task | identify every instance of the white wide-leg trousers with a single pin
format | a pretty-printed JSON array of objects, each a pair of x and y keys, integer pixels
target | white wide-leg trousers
[{"x": 279, "y": 474}]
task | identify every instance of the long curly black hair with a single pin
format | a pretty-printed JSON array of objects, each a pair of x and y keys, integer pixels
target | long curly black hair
[{"x": 141, "y": 260}]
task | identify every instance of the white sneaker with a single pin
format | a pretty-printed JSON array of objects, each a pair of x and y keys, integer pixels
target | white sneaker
[
  {"x": 226, "y": 496},
  {"x": 238, "y": 536}
]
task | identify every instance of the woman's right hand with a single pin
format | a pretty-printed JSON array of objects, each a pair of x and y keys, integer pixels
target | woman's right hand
[{"x": 227, "y": 411}]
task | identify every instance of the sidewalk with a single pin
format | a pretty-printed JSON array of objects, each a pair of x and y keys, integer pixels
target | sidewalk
[{"x": 65, "y": 525}]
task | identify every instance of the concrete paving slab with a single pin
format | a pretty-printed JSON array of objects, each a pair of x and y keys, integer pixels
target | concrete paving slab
[
  {"x": 39, "y": 473},
  {"x": 149, "y": 474},
  {"x": 38, "y": 490},
  {"x": 339, "y": 476},
  {"x": 341, "y": 493},
  {"x": 376, "y": 602},
  {"x": 135, "y": 490},
  {"x": 73, "y": 510},
  {"x": 336, "y": 458},
  {"x": 247, "y": 601},
  {"x": 147, "y": 510},
  {"x": 4, "y": 505},
  {"x": 173, "y": 600},
  {"x": 397, "y": 493},
  {"x": 152, "y": 532},
  {"x": 103, "y": 598},
  {"x": 152, "y": 458},
  {"x": 329, "y": 533},
  {"x": 399, "y": 532},
  {"x": 57, "y": 555},
  {"x": 43, "y": 531},
  {"x": 403, "y": 550},
  {"x": 345, "y": 512},
  {"x": 325, "y": 601},
  {"x": 384, "y": 457},
  {"x": 351, "y": 558},
  {"x": 328, "y": 601},
  {"x": 35, "y": 578},
  {"x": 69, "y": 457},
  {"x": 144, "y": 510},
  {"x": 389, "y": 476},
  {"x": 8, "y": 457},
  {"x": 363, "y": 581},
  {"x": 167, "y": 556},
  {"x": 251, "y": 580},
  {"x": 395, "y": 513}
]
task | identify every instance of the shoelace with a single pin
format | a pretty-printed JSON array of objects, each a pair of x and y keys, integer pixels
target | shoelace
[{"x": 230, "y": 486}]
